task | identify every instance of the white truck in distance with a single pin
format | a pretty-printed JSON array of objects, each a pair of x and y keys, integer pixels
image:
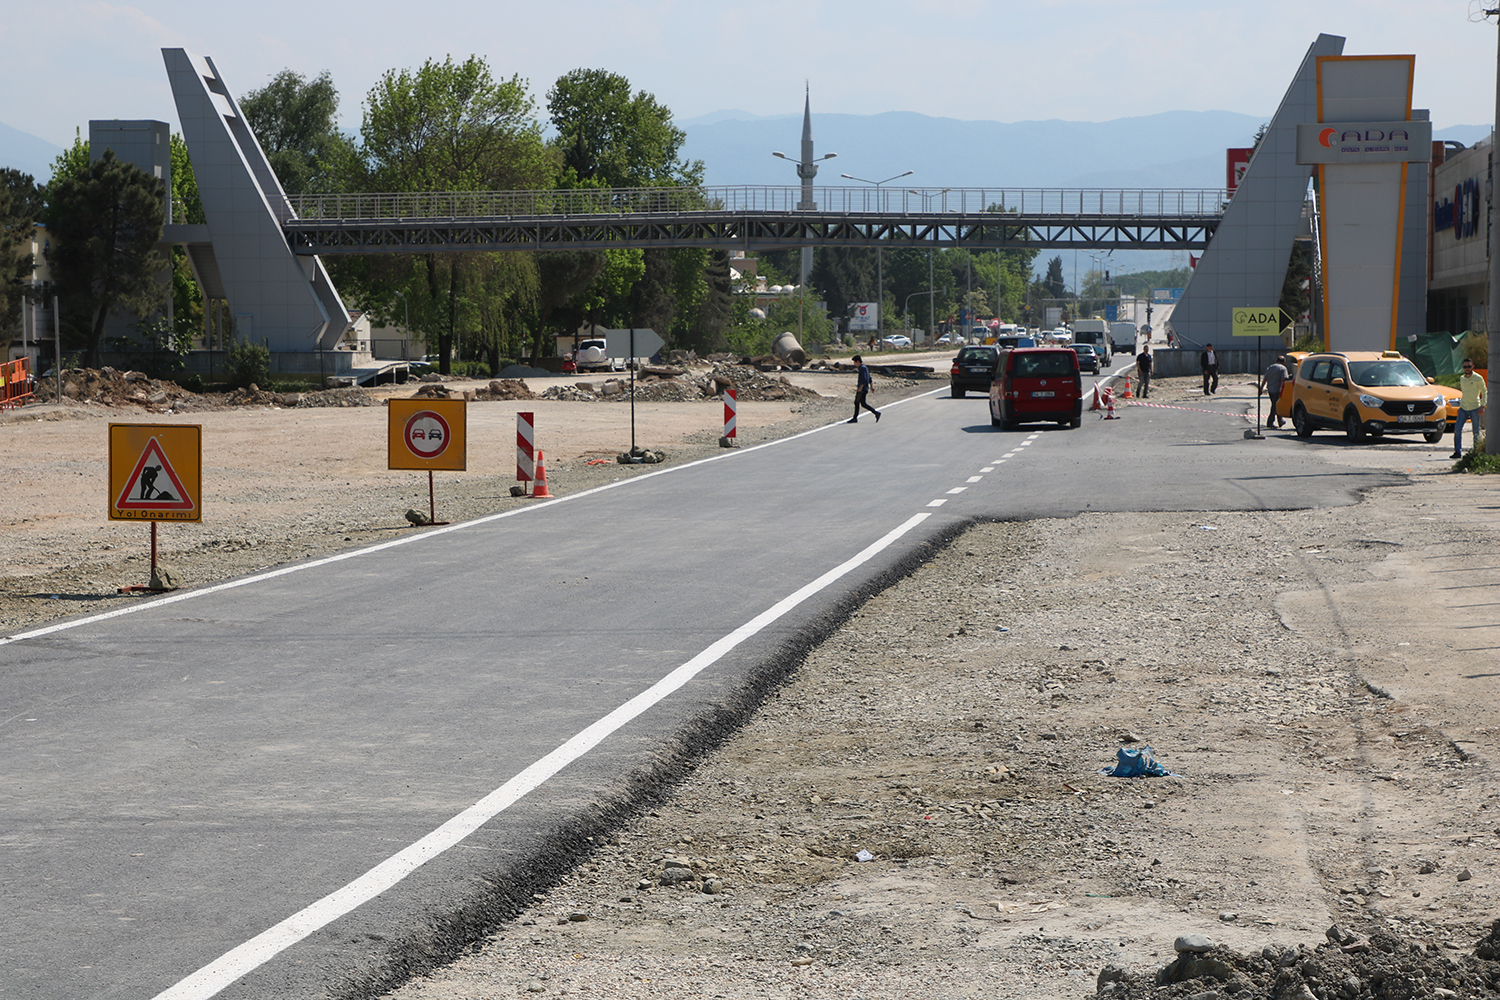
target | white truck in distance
[
  {"x": 1123, "y": 336},
  {"x": 1095, "y": 332}
]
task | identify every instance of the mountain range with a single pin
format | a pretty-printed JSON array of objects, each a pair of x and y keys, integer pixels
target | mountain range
[{"x": 1173, "y": 149}]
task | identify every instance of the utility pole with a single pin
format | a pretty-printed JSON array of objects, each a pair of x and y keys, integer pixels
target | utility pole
[{"x": 1492, "y": 308}]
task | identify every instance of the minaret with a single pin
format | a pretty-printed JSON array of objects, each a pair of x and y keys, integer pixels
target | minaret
[{"x": 807, "y": 169}]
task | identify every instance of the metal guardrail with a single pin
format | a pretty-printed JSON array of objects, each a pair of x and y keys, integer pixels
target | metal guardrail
[{"x": 1207, "y": 203}]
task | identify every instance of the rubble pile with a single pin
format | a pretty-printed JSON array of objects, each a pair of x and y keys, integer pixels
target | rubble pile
[
  {"x": 332, "y": 397},
  {"x": 751, "y": 383},
  {"x": 506, "y": 388},
  {"x": 1350, "y": 966},
  {"x": 114, "y": 388},
  {"x": 570, "y": 393},
  {"x": 111, "y": 387}
]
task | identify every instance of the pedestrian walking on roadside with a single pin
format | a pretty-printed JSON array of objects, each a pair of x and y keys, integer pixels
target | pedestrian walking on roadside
[
  {"x": 862, "y": 389},
  {"x": 1143, "y": 369},
  {"x": 1272, "y": 381},
  {"x": 1210, "y": 364},
  {"x": 1470, "y": 408}
]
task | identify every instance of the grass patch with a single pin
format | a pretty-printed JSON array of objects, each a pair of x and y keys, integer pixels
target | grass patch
[{"x": 1475, "y": 460}]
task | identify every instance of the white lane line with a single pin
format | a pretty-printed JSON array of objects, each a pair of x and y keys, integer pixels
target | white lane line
[
  {"x": 188, "y": 595},
  {"x": 975, "y": 479},
  {"x": 936, "y": 503},
  {"x": 1025, "y": 443},
  {"x": 957, "y": 489},
  {"x": 230, "y": 966},
  {"x": 987, "y": 468},
  {"x": 1011, "y": 454}
]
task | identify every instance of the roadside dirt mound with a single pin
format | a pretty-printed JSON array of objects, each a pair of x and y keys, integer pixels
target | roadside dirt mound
[
  {"x": 1350, "y": 966},
  {"x": 111, "y": 387}
]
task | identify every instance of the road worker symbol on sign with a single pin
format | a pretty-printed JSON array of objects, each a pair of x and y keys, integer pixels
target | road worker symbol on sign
[
  {"x": 426, "y": 434},
  {"x": 155, "y": 472}
]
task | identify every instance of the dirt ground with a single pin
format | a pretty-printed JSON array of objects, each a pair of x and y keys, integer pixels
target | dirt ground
[{"x": 921, "y": 810}]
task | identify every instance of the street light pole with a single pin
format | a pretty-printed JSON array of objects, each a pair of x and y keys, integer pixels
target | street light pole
[
  {"x": 1492, "y": 307},
  {"x": 931, "y": 298},
  {"x": 879, "y": 249}
]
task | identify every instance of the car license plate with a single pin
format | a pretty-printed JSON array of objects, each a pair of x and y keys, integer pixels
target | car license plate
[
  {"x": 1411, "y": 418},
  {"x": 1046, "y": 394}
]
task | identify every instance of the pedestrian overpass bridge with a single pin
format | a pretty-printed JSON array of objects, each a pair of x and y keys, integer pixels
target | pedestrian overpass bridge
[{"x": 753, "y": 218}]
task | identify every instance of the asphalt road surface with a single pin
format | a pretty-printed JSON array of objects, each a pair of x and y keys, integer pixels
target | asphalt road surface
[{"x": 299, "y": 783}]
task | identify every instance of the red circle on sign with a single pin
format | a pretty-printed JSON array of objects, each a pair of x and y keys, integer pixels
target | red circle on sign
[{"x": 427, "y": 434}]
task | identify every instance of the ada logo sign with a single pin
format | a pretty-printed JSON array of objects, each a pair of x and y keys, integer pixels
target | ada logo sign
[
  {"x": 426, "y": 434},
  {"x": 1248, "y": 321},
  {"x": 155, "y": 472}
]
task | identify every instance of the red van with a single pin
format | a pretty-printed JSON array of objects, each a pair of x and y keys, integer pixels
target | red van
[{"x": 1035, "y": 384}]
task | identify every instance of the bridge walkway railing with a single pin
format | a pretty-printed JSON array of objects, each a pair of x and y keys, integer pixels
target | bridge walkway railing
[{"x": 595, "y": 202}]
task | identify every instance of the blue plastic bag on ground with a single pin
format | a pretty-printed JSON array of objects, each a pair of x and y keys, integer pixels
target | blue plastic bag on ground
[{"x": 1140, "y": 763}]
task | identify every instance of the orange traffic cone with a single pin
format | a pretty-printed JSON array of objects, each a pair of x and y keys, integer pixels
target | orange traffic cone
[
  {"x": 540, "y": 489},
  {"x": 1095, "y": 404},
  {"x": 1126, "y": 394}
]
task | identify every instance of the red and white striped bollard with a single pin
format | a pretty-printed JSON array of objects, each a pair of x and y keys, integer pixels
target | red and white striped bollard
[{"x": 525, "y": 448}]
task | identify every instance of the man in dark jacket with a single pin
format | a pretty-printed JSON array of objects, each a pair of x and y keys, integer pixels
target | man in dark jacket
[
  {"x": 1209, "y": 362},
  {"x": 862, "y": 389}
]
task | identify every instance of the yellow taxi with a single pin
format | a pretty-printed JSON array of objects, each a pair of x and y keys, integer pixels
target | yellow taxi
[{"x": 1366, "y": 393}]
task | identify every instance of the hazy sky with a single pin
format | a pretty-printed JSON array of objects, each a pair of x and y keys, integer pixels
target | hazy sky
[{"x": 67, "y": 61}]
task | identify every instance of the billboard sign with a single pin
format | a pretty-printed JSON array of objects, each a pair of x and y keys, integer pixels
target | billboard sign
[
  {"x": 1237, "y": 161},
  {"x": 864, "y": 316},
  {"x": 1364, "y": 142}
]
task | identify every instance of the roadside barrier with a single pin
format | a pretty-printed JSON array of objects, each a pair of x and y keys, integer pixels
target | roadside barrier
[
  {"x": 731, "y": 403},
  {"x": 15, "y": 383},
  {"x": 525, "y": 448}
]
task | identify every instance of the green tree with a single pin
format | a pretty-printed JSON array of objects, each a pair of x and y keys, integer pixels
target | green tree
[
  {"x": 844, "y": 275},
  {"x": 505, "y": 294},
  {"x": 608, "y": 135},
  {"x": 71, "y": 162},
  {"x": 188, "y": 307},
  {"x": 105, "y": 227},
  {"x": 706, "y": 322},
  {"x": 447, "y": 127},
  {"x": 452, "y": 127},
  {"x": 20, "y": 207},
  {"x": 295, "y": 121},
  {"x": 1053, "y": 283}
]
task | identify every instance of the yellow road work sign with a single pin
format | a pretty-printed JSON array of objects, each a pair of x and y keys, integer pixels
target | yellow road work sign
[
  {"x": 426, "y": 434},
  {"x": 155, "y": 472},
  {"x": 1249, "y": 321}
]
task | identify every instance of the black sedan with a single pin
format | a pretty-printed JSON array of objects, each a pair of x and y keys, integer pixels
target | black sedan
[
  {"x": 1088, "y": 358},
  {"x": 974, "y": 368}
]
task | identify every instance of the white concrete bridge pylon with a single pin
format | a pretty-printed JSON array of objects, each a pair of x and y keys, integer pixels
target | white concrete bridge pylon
[{"x": 277, "y": 298}]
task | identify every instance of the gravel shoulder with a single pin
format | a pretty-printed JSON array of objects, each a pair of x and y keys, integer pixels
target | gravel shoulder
[{"x": 1318, "y": 682}]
